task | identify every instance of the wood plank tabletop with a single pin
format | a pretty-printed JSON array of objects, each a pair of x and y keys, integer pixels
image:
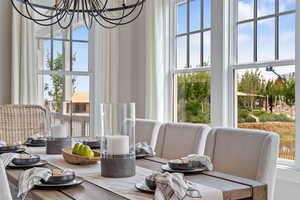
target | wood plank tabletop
[{"x": 233, "y": 187}]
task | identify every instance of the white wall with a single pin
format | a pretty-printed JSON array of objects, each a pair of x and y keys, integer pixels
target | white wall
[{"x": 5, "y": 51}]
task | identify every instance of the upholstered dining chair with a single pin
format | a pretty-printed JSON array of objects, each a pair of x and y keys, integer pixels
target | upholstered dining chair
[
  {"x": 4, "y": 185},
  {"x": 176, "y": 140},
  {"x": 147, "y": 131},
  {"x": 18, "y": 122},
  {"x": 245, "y": 153}
]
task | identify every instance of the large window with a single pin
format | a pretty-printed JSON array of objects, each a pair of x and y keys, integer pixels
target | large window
[
  {"x": 191, "y": 73},
  {"x": 64, "y": 75},
  {"x": 264, "y": 68}
]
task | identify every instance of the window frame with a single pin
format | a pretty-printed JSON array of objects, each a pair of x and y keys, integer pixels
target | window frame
[
  {"x": 41, "y": 71},
  {"x": 223, "y": 98},
  {"x": 277, "y": 62},
  {"x": 174, "y": 71}
]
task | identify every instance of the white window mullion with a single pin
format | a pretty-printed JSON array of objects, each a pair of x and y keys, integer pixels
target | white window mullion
[
  {"x": 219, "y": 63},
  {"x": 297, "y": 53}
]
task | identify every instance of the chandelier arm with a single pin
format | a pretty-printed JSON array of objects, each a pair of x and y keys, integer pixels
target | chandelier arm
[
  {"x": 106, "y": 10},
  {"x": 95, "y": 8},
  {"x": 127, "y": 22},
  {"x": 75, "y": 3},
  {"x": 87, "y": 19},
  {"x": 42, "y": 14},
  {"x": 118, "y": 18}
]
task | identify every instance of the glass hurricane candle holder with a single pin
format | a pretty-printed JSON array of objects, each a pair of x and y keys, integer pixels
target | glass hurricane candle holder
[{"x": 117, "y": 129}]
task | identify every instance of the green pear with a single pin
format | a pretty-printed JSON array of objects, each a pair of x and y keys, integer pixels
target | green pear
[
  {"x": 91, "y": 153},
  {"x": 76, "y": 148},
  {"x": 85, "y": 151},
  {"x": 81, "y": 150}
]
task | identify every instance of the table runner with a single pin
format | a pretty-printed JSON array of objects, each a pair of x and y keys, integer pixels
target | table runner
[{"x": 124, "y": 187}]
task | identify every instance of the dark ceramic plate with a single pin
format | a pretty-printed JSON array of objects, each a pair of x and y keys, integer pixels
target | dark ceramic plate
[
  {"x": 75, "y": 182},
  {"x": 19, "y": 150},
  {"x": 181, "y": 166},
  {"x": 150, "y": 183},
  {"x": 140, "y": 155},
  {"x": 35, "y": 143},
  {"x": 29, "y": 161},
  {"x": 144, "y": 188},
  {"x": 39, "y": 164},
  {"x": 168, "y": 169},
  {"x": 92, "y": 145},
  {"x": 60, "y": 179},
  {"x": 9, "y": 148}
]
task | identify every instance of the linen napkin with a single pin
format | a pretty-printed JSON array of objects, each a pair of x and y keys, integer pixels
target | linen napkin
[
  {"x": 30, "y": 178},
  {"x": 7, "y": 158},
  {"x": 174, "y": 187},
  {"x": 4, "y": 189},
  {"x": 197, "y": 160},
  {"x": 144, "y": 148}
]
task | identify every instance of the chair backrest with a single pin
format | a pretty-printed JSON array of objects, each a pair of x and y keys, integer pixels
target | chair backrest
[
  {"x": 246, "y": 153},
  {"x": 147, "y": 131},
  {"x": 18, "y": 122},
  {"x": 176, "y": 140},
  {"x": 4, "y": 189}
]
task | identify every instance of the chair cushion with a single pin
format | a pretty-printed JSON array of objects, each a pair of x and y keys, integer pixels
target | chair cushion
[
  {"x": 181, "y": 139},
  {"x": 147, "y": 131},
  {"x": 246, "y": 153}
]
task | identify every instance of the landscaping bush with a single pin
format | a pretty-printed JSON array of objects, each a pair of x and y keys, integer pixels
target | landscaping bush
[{"x": 244, "y": 116}]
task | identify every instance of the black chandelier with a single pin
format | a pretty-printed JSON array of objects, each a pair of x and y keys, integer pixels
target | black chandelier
[{"x": 63, "y": 12}]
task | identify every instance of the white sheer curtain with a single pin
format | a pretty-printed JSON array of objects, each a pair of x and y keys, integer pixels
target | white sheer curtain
[
  {"x": 157, "y": 59},
  {"x": 24, "y": 76}
]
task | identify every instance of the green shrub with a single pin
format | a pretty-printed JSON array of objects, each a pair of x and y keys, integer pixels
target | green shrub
[{"x": 244, "y": 117}]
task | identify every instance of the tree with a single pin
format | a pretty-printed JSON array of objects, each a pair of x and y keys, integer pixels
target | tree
[
  {"x": 251, "y": 84},
  {"x": 56, "y": 93}
]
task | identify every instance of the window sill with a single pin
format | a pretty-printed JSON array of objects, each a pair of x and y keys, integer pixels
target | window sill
[{"x": 287, "y": 171}]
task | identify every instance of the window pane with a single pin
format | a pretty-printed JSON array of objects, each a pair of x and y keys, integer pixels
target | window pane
[
  {"x": 181, "y": 18},
  {"x": 195, "y": 50},
  {"x": 80, "y": 89},
  {"x": 206, "y": 48},
  {"x": 266, "y": 39},
  {"x": 266, "y": 101},
  {"x": 193, "y": 97},
  {"x": 195, "y": 16},
  {"x": 207, "y": 14},
  {"x": 245, "y": 9},
  {"x": 181, "y": 52},
  {"x": 80, "y": 56},
  {"x": 52, "y": 88},
  {"x": 265, "y": 7},
  {"x": 285, "y": 5},
  {"x": 287, "y": 36},
  {"x": 81, "y": 33},
  {"x": 46, "y": 52},
  {"x": 58, "y": 56},
  {"x": 245, "y": 43}
]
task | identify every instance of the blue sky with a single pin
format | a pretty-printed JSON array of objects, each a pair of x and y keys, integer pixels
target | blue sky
[{"x": 266, "y": 34}]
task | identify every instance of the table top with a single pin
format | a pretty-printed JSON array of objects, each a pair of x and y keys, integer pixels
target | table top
[{"x": 232, "y": 187}]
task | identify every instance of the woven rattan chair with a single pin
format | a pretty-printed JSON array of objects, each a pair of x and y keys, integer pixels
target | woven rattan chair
[{"x": 18, "y": 122}]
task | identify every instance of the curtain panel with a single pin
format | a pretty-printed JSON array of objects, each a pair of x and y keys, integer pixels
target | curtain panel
[{"x": 24, "y": 70}]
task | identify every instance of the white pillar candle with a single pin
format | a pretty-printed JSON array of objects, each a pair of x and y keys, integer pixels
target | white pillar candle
[
  {"x": 59, "y": 131},
  {"x": 117, "y": 144}
]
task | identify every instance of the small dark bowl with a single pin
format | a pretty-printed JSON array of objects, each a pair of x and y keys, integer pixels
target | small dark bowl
[
  {"x": 61, "y": 179},
  {"x": 30, "y": 161},
  {"x": 9, "y": 148},
  {"x": 38, "y": 141},
  {"x": 150, "y": 183},
  {"x": 92, "y": 145},
  {"x": 181, "y": 166}
]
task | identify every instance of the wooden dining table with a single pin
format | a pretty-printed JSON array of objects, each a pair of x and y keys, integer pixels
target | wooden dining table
[{"x": 232, "y": 187}]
